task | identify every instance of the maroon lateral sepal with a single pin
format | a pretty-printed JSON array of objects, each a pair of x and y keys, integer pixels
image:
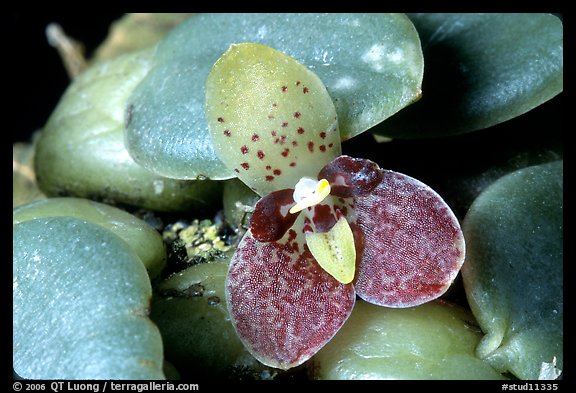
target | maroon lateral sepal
[{"x": 271, "y": 217}]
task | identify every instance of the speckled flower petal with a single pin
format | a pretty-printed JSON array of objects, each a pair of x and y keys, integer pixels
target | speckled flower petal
[
  {"x": 284, "y": 306},
  {"x": 413, "y": 244},
  {"x": 271, "y": 217},
  {"x": 271, "y": 119},
  {"x": 351, "y": 176}
]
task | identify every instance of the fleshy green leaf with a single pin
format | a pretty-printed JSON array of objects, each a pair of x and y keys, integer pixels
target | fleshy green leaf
[
  {"x": 270, "y": 118},
  {"x": 143, "y": 239},
  {"x": 238, "y": 203},
  {"x": 432, "y": 341},
  {"x": 80, "y": 303},
  {"x": 81, "y": 149},
  {"x": 136, "y": 31},
  {"x": 481, "y": 69},
  {"x": 190, "y": 311},
  {"x": 371, "y": 65},
  {"x": 513, "y": 273},
  {"x": 283, "y": 305}
]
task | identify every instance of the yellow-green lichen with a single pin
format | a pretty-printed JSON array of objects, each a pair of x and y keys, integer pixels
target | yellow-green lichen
[{"x": 202, "y": 240}]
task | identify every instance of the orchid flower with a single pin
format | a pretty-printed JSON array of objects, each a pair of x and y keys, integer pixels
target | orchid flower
[{"x": 328, "y": 227}]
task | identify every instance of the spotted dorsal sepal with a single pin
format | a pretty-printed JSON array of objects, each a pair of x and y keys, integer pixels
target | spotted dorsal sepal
[{"x": 271, "y": 119}]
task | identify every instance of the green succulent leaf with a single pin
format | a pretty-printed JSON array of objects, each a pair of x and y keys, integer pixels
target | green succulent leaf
[
  {"x": 433, "y": 341},
  {"x": 136, "y": 31},
  {"x": 190, "y": 311},
  {"x": 481, "y": 70},
  {"x": 238, "y": 202},
  {"x": 513, "y": 273},
  {"x": 143, "y": 239},
  {"x": 81, "y": 149},
  {"x": 371, "y": 65},
  {"x": 80, "y": 304}
]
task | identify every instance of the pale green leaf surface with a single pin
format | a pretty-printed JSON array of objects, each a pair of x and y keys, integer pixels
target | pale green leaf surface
[
  {"x": 481, "y": 70},
  {"x": 143, "y": 239},
  {"x": 513, "y": 273},
  {"x": 80, "y": 304},
  {"x": 190, "y": 311},
  {"x": 432, "y": 341},
  {"x": 81, "y": 149}
]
